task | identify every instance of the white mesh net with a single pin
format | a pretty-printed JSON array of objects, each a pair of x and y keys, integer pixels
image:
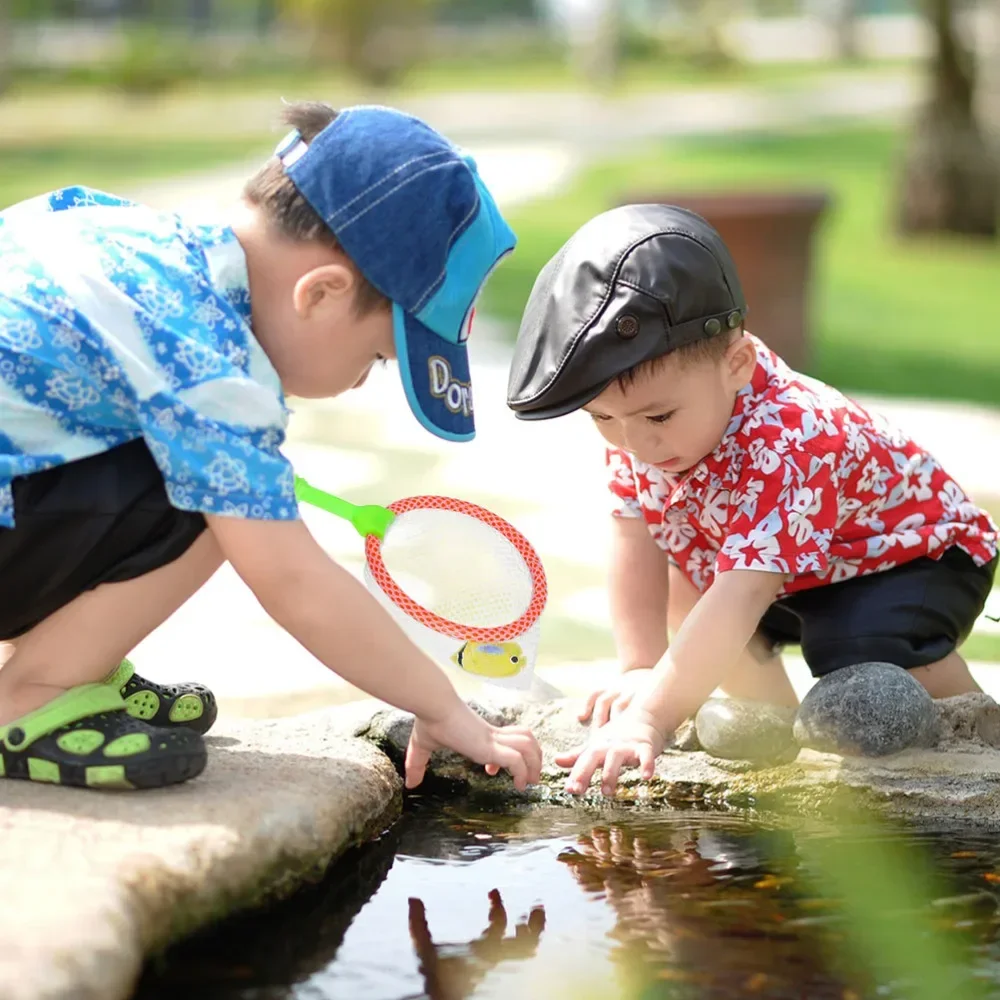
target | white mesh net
[{"x": 464, "y": 570}]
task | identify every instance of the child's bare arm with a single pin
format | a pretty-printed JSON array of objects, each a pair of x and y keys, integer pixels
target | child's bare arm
[
  {"x": 637, "y": 591},
  {"x": 638, "y": 594},
  {"x": 342, "y": 625},
  {"x": 713, "y": 635}
]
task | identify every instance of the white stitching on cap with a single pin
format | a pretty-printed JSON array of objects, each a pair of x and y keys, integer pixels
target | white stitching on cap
[
  {"x": 371, "y": 187},
  {"x": 389, "y": 193},
  {"x": 432, "y": 287}
]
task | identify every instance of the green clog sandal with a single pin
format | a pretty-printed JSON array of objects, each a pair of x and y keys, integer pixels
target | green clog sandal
[
  {"x": 85, "y": 738},
  {"x": 191, "y": 706}
]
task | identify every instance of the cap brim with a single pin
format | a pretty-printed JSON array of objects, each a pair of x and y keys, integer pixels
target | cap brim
[{"x": 435, "y": 376}]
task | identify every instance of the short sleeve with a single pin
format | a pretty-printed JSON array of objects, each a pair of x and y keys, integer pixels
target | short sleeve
[
  {"x": 782, "y": 514},
  {"x": 219, "y": 467},
  {"x": 621, "y": 482}
]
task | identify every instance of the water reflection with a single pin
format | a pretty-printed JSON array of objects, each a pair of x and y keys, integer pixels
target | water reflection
[
  {"x": 452, "y": 972},
  {"x": 703, "y": 907},
  {"x": 458, "y": 904}
]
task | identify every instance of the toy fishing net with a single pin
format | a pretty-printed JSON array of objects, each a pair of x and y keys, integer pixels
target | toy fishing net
[{"x": 464, "y": 584}]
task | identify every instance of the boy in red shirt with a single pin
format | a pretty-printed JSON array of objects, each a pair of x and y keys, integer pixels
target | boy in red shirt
[{"x": 754, "y": 506}]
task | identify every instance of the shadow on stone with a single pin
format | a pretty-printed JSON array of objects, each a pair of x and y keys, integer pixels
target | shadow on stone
[{"x": 244, "y": 953}]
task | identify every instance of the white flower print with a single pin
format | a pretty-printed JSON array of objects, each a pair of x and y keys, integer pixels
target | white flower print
[
  {"x": 200, "y": 361},
  {"x": 801, "y": 506},
  {"x": 676, "y": 534},
  {"x": 160, "y": 301},
  {"x": 227, "y": 474},
  {"x": 68, "y": 336},
  {"x": 74, "y": 392},
  {"x": 747, "y": 501},
  {"x": 759, "y": 547},
  {"x": 714, "y": 511},
  {"x": 763, "y": 457},
  {"x": 207, "y": 313},
  {"x": 19, "y": 335},
  {"x": 165, "y": 421}
]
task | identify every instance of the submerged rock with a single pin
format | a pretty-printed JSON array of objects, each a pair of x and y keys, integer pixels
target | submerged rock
[
  {"x": 867, "y": 710},
  {"x": 736, "y": 729}
]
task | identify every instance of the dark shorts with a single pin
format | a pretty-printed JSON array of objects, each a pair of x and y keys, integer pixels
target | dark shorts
[
  {"x": 98, "y": 520},
  {"x": 912, "y": 615}
]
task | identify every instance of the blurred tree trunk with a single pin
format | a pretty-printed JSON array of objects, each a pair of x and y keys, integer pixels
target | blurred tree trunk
[
  {"x": 707, "y": 20},
  {"x": 843, "y": 15},
  {"x": 600, "y": 46},
  {"x": 989, "y": 85},
  {"x": 6, "y": 45},
  {"x": 377, "y": 39},
  {"x": 951, "y": 180}
]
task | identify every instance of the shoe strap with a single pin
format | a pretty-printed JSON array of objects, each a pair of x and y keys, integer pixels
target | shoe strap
[
  {"x": 121, "y": 675},
  {"x": 71, "y": 706}
]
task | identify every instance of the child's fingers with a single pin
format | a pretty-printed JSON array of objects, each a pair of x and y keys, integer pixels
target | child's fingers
[
  {"x": 511, "y": 759},
  {"x": 615, "y": 759},
  {"x": 569, "y": 758},
  {"x": 416, "y": 763},
  {"x": 492, "y": 770},
  {"x": 524, "y": 742},
  {"x": 589, "y": 761},
  {"x": 620, "y": 704},
  {"x": 588, "y": 705},
  {"x": 647, "y": 760}
]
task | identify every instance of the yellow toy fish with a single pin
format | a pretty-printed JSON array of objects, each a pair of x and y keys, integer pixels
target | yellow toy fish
[{"x": 504, "y": 659}]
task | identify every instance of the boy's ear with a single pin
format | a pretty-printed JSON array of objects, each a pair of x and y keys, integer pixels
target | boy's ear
[
  {"x": 322, "y": 288},
  {"x": 741, "y": 360}
]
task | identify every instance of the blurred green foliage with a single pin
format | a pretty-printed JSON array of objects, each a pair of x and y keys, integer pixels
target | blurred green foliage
[{"x": 890, "y": 317}]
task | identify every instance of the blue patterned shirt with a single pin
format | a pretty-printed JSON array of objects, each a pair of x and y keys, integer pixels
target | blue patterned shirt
[{"x": 118, "y": 322}]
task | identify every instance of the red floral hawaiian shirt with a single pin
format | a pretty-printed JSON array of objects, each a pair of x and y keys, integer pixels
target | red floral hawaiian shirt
[{"x": 805, "y": 483}]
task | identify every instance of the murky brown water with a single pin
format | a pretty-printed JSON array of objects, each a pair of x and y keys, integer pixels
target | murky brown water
[{"x": 453, "y": 903}]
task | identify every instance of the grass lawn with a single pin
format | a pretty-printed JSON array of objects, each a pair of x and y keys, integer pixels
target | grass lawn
[
  {"x": 541, "y": 67},
  {"x": 112, "y": 164},
  {"x": 890, "y": 317}
]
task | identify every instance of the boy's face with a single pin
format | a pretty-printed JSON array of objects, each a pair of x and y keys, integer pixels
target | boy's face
[
  {"x": 677, "y": 414},
  {"x": 326, "y": 346}
]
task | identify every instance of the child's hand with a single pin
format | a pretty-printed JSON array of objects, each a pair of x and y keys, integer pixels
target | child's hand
[
  {"x": 611, "y": 700},
  {"x": 461, "y": 730},
  {"x": 630, "y": 738}
]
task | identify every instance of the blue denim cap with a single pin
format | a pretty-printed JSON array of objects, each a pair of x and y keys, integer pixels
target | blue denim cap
[{"x": 410, "y": 210}]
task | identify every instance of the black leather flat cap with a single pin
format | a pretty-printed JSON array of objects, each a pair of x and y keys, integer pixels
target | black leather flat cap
[{"x": 631, "y": 285}]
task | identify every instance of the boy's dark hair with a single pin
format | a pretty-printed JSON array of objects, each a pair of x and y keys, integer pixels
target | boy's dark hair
[
  {"x": 273, "y": 192},
  {"x": 708, "y": 349}
]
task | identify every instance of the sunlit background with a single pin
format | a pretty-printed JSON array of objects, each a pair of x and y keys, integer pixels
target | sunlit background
[{"x": 846, "y": 149}]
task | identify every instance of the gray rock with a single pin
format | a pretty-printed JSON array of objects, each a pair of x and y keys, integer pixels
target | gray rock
[
  {"x": 95, "y": 882},
  {"x": 736, "y": 729},
  {"x": 956, "y": 782},
  {"x": 686, "y": 737},
  {"x": 969, "y": 720},
  {"x": 867, "y": 710}
]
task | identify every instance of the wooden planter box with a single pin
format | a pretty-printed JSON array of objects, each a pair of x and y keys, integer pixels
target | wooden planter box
[{"x": 770, "y": 236}]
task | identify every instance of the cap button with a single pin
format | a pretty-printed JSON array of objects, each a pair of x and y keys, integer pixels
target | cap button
[
  {"x": 712, "y": 326},
  {"x": 733, "y": 319},
  {"x": 627, "y": 326}
]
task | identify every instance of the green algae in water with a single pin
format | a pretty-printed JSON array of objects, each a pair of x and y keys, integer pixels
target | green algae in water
[{"x": 551, "y": 903}]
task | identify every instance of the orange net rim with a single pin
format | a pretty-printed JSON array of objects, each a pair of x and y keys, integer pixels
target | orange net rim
[{"x": 416, "y": 611}]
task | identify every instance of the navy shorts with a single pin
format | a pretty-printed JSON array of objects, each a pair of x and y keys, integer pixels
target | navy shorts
[
  {"x": 98, "y": 520},
  {"x": 912, "y": 615}
]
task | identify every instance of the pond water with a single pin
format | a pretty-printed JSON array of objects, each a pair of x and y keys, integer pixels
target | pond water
[{"x": 556, "y": 904}]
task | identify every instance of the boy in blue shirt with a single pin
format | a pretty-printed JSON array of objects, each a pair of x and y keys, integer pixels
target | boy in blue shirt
[{"x": 143, "y": 366}]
